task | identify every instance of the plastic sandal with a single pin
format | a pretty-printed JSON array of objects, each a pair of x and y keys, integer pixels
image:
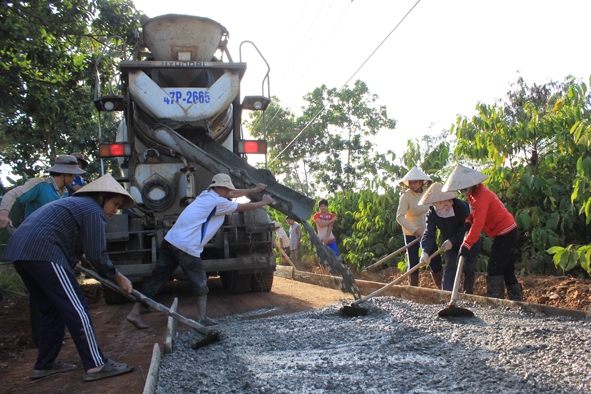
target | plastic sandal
[
  {"x": 110, "y": 368},
  {"x": 57, "y": 367}
]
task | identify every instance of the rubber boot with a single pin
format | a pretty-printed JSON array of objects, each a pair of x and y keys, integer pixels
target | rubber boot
[
  {"x": 515, "y": 292},
  {"x": 495, "y": 287},
  {"x": 469, "y": 279},
  {"x": 437, "y": 276},
  {"x": 413, "y": 280},
  {"x": 201, "y": 312}
]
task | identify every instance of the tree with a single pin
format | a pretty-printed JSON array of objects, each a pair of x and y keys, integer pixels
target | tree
[
  {"x": 47, "y": 54},
  {"x": 333, "y": 151},
  {"x": 525, "y": 145}
]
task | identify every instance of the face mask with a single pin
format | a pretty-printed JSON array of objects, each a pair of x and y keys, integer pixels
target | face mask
[{"x": 445, "y": 212}]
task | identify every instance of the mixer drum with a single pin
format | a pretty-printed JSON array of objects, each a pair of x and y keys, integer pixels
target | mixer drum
[{"x": 182, "y": 38}]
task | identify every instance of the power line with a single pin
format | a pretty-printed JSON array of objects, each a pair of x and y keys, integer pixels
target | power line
[
  {"x": 325, "y": 41},
  {"x": 259, "y": 119},
  {"x": 345, "y": 84}
]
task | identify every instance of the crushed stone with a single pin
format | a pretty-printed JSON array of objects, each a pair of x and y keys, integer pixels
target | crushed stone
[{"x": 399, "y": 347}]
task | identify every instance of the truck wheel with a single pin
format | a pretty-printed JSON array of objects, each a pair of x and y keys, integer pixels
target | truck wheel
[
  {"x": 240, "y": 283},
  {"x": 262, "y": 281},
  {"x": 111, "y": 297}
]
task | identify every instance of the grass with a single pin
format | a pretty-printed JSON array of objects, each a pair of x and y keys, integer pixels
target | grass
[{"x": 11, "y": 285}]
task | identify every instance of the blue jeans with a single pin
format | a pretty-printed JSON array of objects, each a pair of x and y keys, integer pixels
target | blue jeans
[{"x": 169, "y": 259}]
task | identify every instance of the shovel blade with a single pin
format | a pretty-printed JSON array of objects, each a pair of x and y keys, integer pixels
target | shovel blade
[
  {"x": 454, "y": 311},
  {"x": 209, "y": 338},
  {"x": 354, "y": 311}
]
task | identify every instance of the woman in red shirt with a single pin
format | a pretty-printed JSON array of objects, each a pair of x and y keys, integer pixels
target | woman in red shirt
[{"x": 489, "y": 215}]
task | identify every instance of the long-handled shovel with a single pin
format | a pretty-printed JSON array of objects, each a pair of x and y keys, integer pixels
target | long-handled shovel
[
  {"x": 367, "y": 272},
  {"x": 452, "y": 310},
  {"x": 287, "y": 258},
  {"x": 354, "y": 310},
  {"x": 210, "y": 335}
]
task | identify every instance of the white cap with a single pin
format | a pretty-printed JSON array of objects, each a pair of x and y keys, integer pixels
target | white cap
[
  {"x": 462, "y": 178},
  {"x": 434, "y": 194},
  {"x": 415, "y": 174}
]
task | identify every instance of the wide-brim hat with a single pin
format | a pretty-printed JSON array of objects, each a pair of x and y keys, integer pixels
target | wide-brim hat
[
  {"x": 107, "y": 184},
  {"x": 222, "y": 180},
  {"x": 66, "y": 164},
  {"x": 415, "y": 174},
  {"x": 80, "y": 159},
  {"x": 434, "y": 194},
  {"x": 462, "y": 178}
]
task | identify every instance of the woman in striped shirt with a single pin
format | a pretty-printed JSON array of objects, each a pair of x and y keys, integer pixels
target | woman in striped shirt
[{"x": 45, "y": 248}]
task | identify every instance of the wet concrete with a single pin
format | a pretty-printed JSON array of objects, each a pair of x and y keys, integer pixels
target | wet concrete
[
  {"x": 329, "y": 261},
  {"x": 400, "y": 346}
]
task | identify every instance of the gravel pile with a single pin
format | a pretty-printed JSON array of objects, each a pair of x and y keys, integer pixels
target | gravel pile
[{"x": 399, "y": 347}]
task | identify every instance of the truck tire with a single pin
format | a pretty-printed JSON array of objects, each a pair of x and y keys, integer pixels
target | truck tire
[
  {"x": 240, "y": 284},
  {"x": 262, "y": 282},
  {"x": 111, "y": 297}
]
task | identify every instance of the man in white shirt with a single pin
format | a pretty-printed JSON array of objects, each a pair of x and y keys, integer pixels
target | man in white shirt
[{"x": 183, "y": 244}]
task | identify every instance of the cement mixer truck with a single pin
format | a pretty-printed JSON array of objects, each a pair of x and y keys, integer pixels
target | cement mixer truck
[{"x": 178, "y": 91}]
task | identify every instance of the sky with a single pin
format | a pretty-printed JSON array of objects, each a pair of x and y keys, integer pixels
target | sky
[{"x": 442, "y": 59}]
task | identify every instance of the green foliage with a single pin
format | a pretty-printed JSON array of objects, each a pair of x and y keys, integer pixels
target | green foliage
[
  {"x": 47, "y": 56},
  {"x": 529, "y": 141}
]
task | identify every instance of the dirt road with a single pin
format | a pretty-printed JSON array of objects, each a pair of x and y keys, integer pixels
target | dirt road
[{"x": 122, "y": 342}]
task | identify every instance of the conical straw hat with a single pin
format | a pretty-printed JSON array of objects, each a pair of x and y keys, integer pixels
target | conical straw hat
[
  {"x": 415, "y": 174},
  {"x": 434, "y": 194},
  {"x": 462, "y": 178},
  {"x": 107, "y": 184}
]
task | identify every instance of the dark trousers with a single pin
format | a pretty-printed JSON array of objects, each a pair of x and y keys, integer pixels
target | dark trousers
[
  {"x": 61, "y": 303},
  {"x": 502, "y": 257},
  {"x": 413, "y": 255},
  {"x": 169, "y": 259},
  {"x": 451, "y": 267}
]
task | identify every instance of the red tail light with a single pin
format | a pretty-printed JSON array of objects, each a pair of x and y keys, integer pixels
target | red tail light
[
  {"x": 252, "y": 146},
  {"x": 114, "y": 150}
]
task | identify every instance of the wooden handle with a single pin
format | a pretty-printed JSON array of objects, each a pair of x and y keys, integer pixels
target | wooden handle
[
  {"x": 287, "y": 257},
  {"x": 139, "y": 297},
  {"x": 454, "y": 293},
  {"x": 397, "y": 280},
  {"x": 388, "y": 257}
]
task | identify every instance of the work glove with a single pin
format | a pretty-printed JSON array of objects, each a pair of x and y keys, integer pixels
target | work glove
[
  {"x": 463, "y": 253},
  {"x": 447, "y": 245},
  {"x": 424, "y": 258}
]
